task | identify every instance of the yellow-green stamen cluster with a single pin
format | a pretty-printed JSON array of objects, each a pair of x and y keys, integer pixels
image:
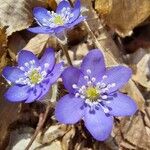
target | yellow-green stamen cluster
[
  {"x": 92, "y": 93},
  {"x": 35, "y": 77},
  {"x": 58, "y": 20}
]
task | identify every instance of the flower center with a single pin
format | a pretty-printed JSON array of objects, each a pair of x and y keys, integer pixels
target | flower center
[
  {"x": 58, "y": 20},
  {"x": 92, "y": 93},
  {"x": 35, "y": 77}
]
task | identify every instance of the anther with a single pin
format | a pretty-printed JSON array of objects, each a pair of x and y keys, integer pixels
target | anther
[
  {"x": 88, "y": 71},
  {"x": 46, "y": 65},
  {"x": 74, "y": 86},
  {"x": 82, "y": 96},
  {"x": 104, "y": 77},
  {"x": 104, "y": 96},
  {"x": 93, "y": 79},
  {"x": 32, "y": 62},
  {"x": 77, "y": 95},
  {"x": 86, "y": 77},
  {"x": 89, "y": 83},
  {"x": 22, "y": 68},
  {"x": 103, "y": 85},
  {"x": 113, "y": 84},
  {"x": 83, "y": 87},
  {"x": 26, "y": 64}
]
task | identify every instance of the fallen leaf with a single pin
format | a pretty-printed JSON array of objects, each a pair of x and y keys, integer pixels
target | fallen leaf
[
  {"x": 52, "y": 4},
  {"x": 37, "y": 43},
  {"x": 15, "y": 43},
  {"x": 142, "y": 75},
  {"x": 52, "y": 133},
  {"x": 17, "y": 15},
  {"x": 134, "y": 132},
  {"x": 8, "y": 113},
  {"x": 3, "y": 42},
  {"x": 3, "y": 61},
  {"x": 123, "y": 15}
]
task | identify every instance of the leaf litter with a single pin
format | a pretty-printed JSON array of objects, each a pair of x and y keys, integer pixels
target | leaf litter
[{"x": 18, "y": 122}]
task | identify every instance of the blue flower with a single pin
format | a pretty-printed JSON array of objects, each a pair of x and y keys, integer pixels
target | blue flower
[
  {"x": 94, "y": 96},
  {"x": 33, "y": 77},
  {"x": 52, "y": 23}
]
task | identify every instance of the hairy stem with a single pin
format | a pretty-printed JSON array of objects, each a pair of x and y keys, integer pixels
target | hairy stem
[
  {"x": 65, "y": 51},
  {"x": 62, "y": 39}
]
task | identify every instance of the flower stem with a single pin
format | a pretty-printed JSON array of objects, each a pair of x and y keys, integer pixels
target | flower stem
[
  {"x": 93, "y": 36},
  {"x": 63, "y": 43},
  {"x": 65, "y": 51},
  {"x": 42, "y": 119}
]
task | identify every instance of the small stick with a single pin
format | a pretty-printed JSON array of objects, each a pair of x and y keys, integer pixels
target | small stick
[
  {"x": 93, "y": 36},
  {"x": 42, "y": 119}
]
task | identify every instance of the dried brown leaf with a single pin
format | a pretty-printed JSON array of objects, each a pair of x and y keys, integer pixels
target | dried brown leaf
[
  {"x": 15, "y": 43},
  {"x": 20, "y": 138},
  {"x": 8, "y": 113},
  {"x": 143, "y": 72},
  {"x": 3, "y": 61},
  {"x": 123, "y": 15},
  {"x": 52, "y": 133},
  {"x": 134, "y": 133},
  {"x": 16, "y": 15},
  {"x": 3, "y": 42},
  {"x": 37, "y": 43},
  {"x": 52, "y": 4}
]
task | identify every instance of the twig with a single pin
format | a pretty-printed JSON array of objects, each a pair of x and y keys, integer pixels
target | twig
[{"x": 42, "y": 119}]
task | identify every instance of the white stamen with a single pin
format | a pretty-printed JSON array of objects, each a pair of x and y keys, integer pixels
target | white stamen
[
  {"x": 43, "y": 73},
  {"x": 74, "y": 86},
  {"x": 39, "y": 68},
  {"x": 81, "y": 90},
  {"x": 22, "y": 68},
  {"x": 93, "y": 79},
  {"x": 103, "y": 85},
  {"x": 95, "y": 103},
  {"x": 104, "y": 96},
  {"x": 32, "y": 62},
  {"x": 77, "y": 95},
  {"x": 98, "y": 84},
  {"x": 99, "y": 100},
  {"x": 89, "y": 83},
  {"x": 86, "y": 77},
  {"x": 83, "y": 87},
  {"x": 46, "y": 65},
  {"x": 26, "y": 64},
  {"x": 104, "y": 90},
  {"x": 87, "y": 101},
  {"x": 82, "y": 96},
  {"x": 104, "y": 77},
  {"x": 88, "y": 71},
  {"x": 48, "y": 12},
  {"x": 113, "y": 84}
]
